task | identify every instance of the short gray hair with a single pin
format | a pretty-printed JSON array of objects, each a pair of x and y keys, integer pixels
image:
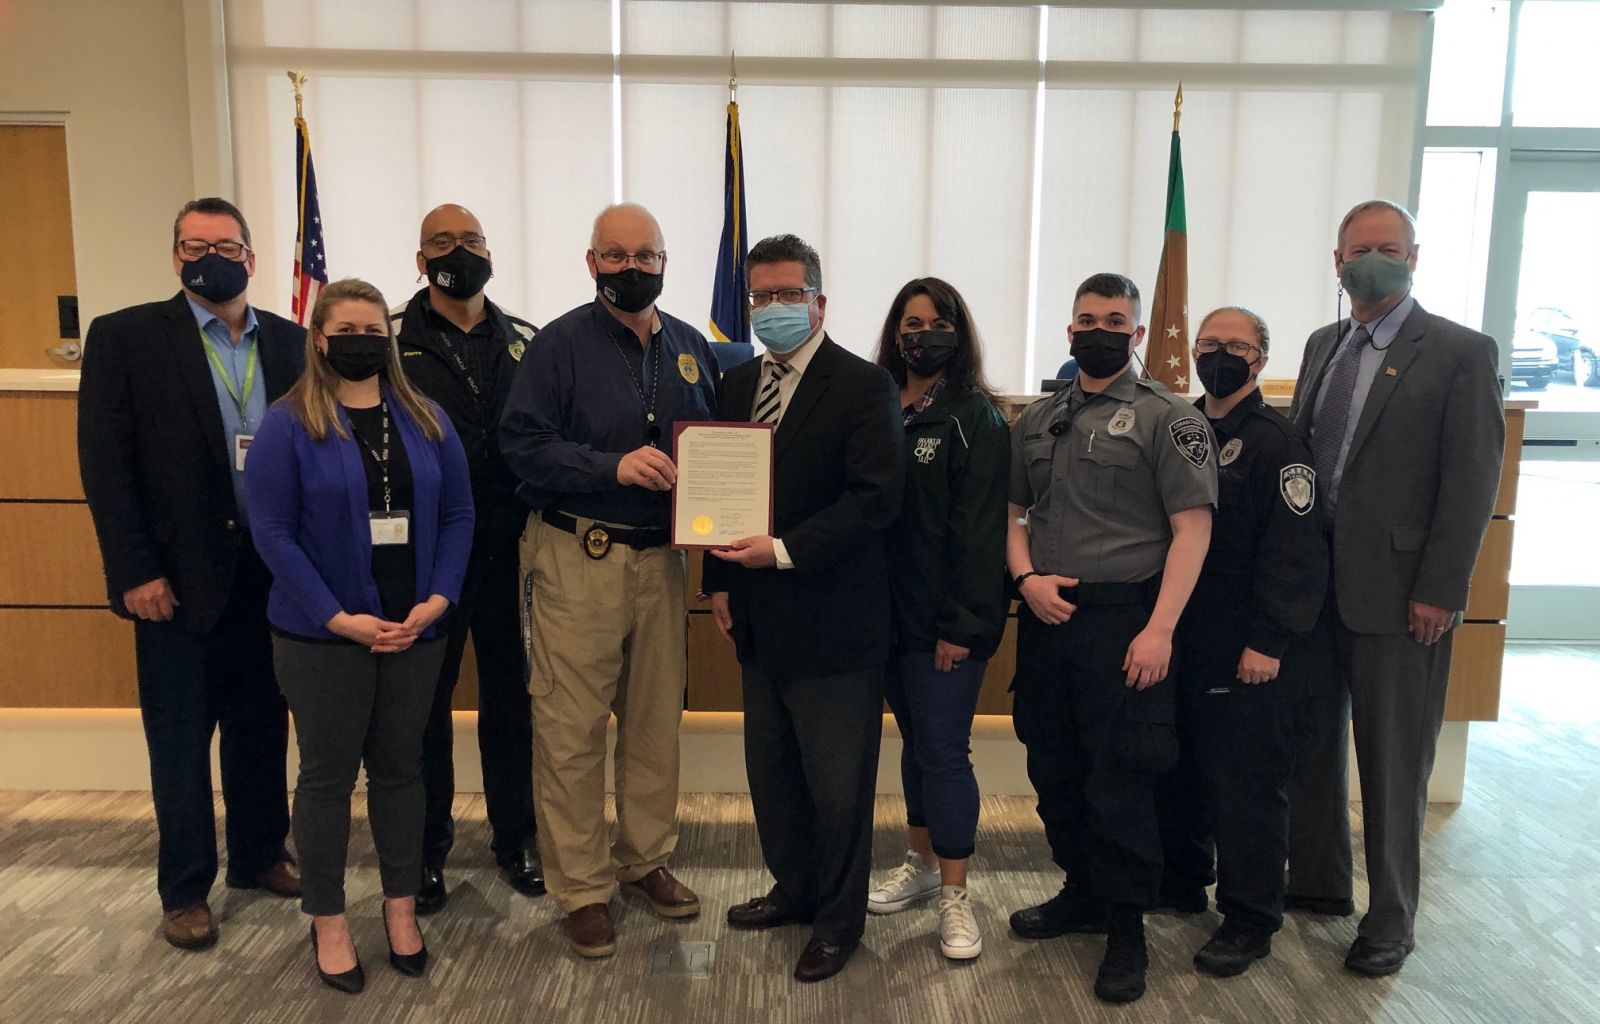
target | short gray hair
[
  {"x": 594, "y": 232},
  {"x": 1263, "y": 338},
  {"x": 1369, "y": 206},
  {"x": 787, "y": 249}
]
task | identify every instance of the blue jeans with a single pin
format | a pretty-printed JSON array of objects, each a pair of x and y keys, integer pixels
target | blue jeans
[{"x": 934, "y": 712}]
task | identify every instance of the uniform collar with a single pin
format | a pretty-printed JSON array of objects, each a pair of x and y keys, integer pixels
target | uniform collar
[
  {"x": 440, "y": 322},
  {"x": 1124, "y": 389},
  {"x": 1229, "y": 424},
  {"x": 613, "y": 327}
]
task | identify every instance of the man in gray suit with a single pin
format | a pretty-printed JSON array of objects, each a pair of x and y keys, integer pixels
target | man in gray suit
[{"x": 1407, "y": 432}]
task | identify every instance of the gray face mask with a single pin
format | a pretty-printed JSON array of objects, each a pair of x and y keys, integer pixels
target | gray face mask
[{"x": 1373, "y": 277}]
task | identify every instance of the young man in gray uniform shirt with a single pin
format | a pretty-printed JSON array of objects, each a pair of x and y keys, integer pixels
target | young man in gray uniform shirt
[{"x": 1113, "y": 483}]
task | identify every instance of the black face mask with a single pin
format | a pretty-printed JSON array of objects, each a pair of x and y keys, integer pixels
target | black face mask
[
  {"x": 1221, "y": 372},
  {"x": 630, "y": 290},
  {"x": 459, "y": 273},
  {"x": 214, "y": 278},
  {"x": 928, "y": 352},
  {"x": 358, "y": 356},
  {"x": 1099, "y": 352}
]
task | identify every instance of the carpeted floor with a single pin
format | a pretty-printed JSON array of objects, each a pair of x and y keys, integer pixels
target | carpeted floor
[{"x": 1510, "y": 928}]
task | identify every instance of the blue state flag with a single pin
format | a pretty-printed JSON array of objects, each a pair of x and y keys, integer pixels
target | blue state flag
[{"x": 730, "y": 317}]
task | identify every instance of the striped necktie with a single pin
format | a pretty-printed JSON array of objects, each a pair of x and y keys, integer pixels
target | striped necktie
[
  {"x": 769, "y": 407},
  {"x": 1332, "y": 417}
]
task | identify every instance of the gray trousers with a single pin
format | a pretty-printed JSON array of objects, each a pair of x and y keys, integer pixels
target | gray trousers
[
  {"x": 351, "y": 707},
  {"x": 1396, "y": 691}
]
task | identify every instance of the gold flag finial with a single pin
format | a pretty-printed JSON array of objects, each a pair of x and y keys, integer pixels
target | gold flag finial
[
  {"x": 733, "y": 77},
  {"x": 1177, "y": 107},
  {"x": 298, "y": 81}
]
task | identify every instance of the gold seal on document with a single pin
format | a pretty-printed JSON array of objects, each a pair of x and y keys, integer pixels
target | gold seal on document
[{"x": 701, "y": 525}]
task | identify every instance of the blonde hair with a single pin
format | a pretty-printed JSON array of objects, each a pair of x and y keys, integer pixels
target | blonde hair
[{"x": 314, "y": 398}]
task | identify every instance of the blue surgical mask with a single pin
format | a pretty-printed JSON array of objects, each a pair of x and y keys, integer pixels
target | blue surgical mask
[{"x": 782, "y": 326}]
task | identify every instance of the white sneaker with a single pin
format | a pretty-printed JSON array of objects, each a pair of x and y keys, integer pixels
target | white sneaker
[
  {"x": 958, "y": 925},
  {"x": 905, "y": 885}
]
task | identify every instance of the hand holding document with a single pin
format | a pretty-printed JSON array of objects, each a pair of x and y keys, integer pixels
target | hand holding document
[{"x": 724, "y": 489}]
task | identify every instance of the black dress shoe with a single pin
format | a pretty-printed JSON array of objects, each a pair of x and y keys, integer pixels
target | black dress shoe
[
  {"x": 410, "y": 964},
  {"x": 1317, "y": 905},
  {"x": 431, "y": 894},
  {"x": 1378, "y": 959},
  {"x": 523, "y": 871},
  {"x": 1232, "y": 950},
  {"x": 1068, "y": 911},
  {"x": 351, "y": 981},
  {"x": 1121, "y": 976},
  {"x": 822, "y": 960},
  {"x": 761, "y": 913}
]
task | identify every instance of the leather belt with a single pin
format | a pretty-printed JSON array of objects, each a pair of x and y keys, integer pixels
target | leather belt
[
  {"x": 1088, "y": 594},
  {"x": 599, "y": 537}
]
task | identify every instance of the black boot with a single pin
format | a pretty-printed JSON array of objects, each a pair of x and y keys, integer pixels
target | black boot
[
  {"x": 1121, "y": 977},
  {"x": 1070, "y": 910},
  {"x": 1232, "y": 950}
]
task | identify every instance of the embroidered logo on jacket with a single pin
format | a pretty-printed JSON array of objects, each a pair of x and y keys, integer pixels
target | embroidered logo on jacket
[{"x": 926, "y": 448}]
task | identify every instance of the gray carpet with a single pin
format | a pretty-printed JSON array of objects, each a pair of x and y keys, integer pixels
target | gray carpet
[{"x": 1510, "y": 929}]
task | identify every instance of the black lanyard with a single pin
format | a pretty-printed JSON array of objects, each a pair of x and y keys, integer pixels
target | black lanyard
[
  {"x": 381, "y": 461},
  {"x": 647, "y": 399},
  {"x": 461, "y": 364}
]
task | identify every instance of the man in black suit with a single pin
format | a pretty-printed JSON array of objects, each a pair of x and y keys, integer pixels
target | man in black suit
[
  {"x": 170, "y": 397},
  {"x": 808, "y": 608}
]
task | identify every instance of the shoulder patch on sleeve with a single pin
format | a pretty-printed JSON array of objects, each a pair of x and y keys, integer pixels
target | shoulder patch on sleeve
[
  {"x": 1297, "y": 482},
  {"x": 1192, "y": 440}
]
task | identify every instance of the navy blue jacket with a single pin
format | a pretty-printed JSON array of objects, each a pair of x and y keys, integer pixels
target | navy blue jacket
[
  {"x": 575, "y": 411},
  {"x": 308, "y": 518}
]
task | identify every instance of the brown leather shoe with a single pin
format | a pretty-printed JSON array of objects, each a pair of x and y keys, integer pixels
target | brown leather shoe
[
  {"x": 668, "y": 897},
  {"x": 591, "y": 931},
  {"x": 283, "y": 879},
  {"x": 190, "y": 927}
]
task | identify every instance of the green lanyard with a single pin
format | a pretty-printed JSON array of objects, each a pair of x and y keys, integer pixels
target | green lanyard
[{"x": 254, "y": 360}]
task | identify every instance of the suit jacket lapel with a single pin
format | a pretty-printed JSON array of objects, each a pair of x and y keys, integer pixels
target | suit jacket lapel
[
  {"x": 1401, "y": 352},
  {"x": 189, "y": 359},
  {"x": 277, "y": 358},
  {"x": 806, "y": 395},
  {"x": 738, "y": 395},
  {"x": 1319, "y": 356}
]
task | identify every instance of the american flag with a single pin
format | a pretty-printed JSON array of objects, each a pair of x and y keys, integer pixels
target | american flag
[{"x": 310, "y": 256}]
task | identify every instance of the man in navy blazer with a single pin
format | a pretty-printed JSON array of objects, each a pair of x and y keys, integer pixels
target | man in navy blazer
[
  {"x": 170, "y": 397},
  {"x": 808, "y": 607}
]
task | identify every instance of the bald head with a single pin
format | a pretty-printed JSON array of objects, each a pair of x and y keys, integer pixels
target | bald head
[
  {"x": 449, "y": 219},
  {"x": 628, "y": 227}
]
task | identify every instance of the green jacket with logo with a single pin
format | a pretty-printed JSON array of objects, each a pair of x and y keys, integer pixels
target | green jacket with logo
[{"x": 947, "y": 559}]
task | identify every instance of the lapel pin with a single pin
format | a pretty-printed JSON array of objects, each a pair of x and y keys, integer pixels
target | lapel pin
[{"x": 1391, "y": 371}]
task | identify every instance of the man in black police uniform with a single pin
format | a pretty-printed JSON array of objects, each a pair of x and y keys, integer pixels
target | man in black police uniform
[
  {"x": 1239, "y": 665},
  {"x": 461, "y": 350},
  {"x": 587, "y": 429},
  {"x": 1116, "y": 479}
]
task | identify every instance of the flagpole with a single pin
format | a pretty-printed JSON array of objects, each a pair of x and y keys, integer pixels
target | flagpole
[
  {"x": 1177, "y": 107},
  {"x": 298, "y": 81},
  {"x": 733, "y": 77}
]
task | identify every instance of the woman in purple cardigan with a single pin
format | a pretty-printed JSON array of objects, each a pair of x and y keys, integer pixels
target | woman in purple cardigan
[{"x": 360, "y": 505}]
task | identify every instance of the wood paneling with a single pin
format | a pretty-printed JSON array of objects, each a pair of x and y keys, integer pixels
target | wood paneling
[
  {"x": 1505, "y": 502},
  {"x": 995, "y": 697},
  {"x": 40, "y": 433},
  {"x": 1475, "y": 664},
  {"x": 36, "y": 261},
  {"x": 1491, "y": 575},
  {"x": 51, "y": 556},
  {"x": 713, "y": 670},
  {"x": 78, "y": 658}
]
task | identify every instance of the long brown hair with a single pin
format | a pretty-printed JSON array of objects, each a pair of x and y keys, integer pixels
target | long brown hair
[
  {"x": 965, "y": 371},
  {"x": 314, "y": 398}
]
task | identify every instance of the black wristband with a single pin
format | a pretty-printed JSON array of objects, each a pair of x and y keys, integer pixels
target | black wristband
[{"x": 1018, "y": 581}]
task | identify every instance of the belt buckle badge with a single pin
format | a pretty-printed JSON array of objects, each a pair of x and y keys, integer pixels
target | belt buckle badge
[{"x": 597, "y": 542}]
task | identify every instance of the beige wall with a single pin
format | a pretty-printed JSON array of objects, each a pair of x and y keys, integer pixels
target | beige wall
[{"x": 118, "y": 74}]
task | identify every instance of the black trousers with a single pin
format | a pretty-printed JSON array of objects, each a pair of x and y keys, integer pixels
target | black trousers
[
  {"x": 491, "y": 610},
  {"x": 192, "y": 685},
  {"x": 1232, "y": 785},
  {"x": 1096, "y": 748},
  {"x": 1321, "y": 861},
  {"x": 811, "y": 751}
]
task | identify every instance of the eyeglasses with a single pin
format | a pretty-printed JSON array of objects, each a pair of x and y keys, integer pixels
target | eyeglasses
[
  {"x": 443, "y": 242},
  {"x": 1242, "y": 349},
  {"x": 616, "y": 259},
  {"x": 194, "y": 248},
  {"x": 787, "y": 296}
]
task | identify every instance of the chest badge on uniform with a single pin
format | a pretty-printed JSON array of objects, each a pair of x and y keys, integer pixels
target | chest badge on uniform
[
  {"x": 1298, "y": 483},
  {"x": 597, "y": 542},
  {"x": 1122, "y": 422},
  {"x": 1230, "y": 451},
  {"x": 516, "y": 348},
  {"x": 688, "y": 369},
  {"x": 1192, "y": 440},
  {"x": 926, "y": 448}
]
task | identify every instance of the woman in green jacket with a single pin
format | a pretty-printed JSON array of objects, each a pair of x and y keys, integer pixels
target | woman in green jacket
[{"x": 947, "y": 556}]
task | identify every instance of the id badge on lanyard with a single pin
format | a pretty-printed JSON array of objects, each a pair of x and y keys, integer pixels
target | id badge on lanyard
[{"x": 390, "y": 528}]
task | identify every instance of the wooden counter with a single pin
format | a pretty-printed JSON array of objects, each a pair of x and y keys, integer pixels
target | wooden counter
[{"x": 64, "y": 649}]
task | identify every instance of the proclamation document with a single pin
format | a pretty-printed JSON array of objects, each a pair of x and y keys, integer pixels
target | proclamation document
[{"x": 724, "y": 489}]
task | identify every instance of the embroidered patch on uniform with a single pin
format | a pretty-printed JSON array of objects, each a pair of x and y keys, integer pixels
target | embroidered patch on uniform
[
  {"x": 688, "y": 368},
  {"x": 925, "y": 449},
  {"x": 1230, "y": 451},
  {"x": 1122, "y": 422},
  {"x": 1192, "y": 440},
  {"x": 516, "y": 348},
  {"x": 1298, "y": 484}
]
